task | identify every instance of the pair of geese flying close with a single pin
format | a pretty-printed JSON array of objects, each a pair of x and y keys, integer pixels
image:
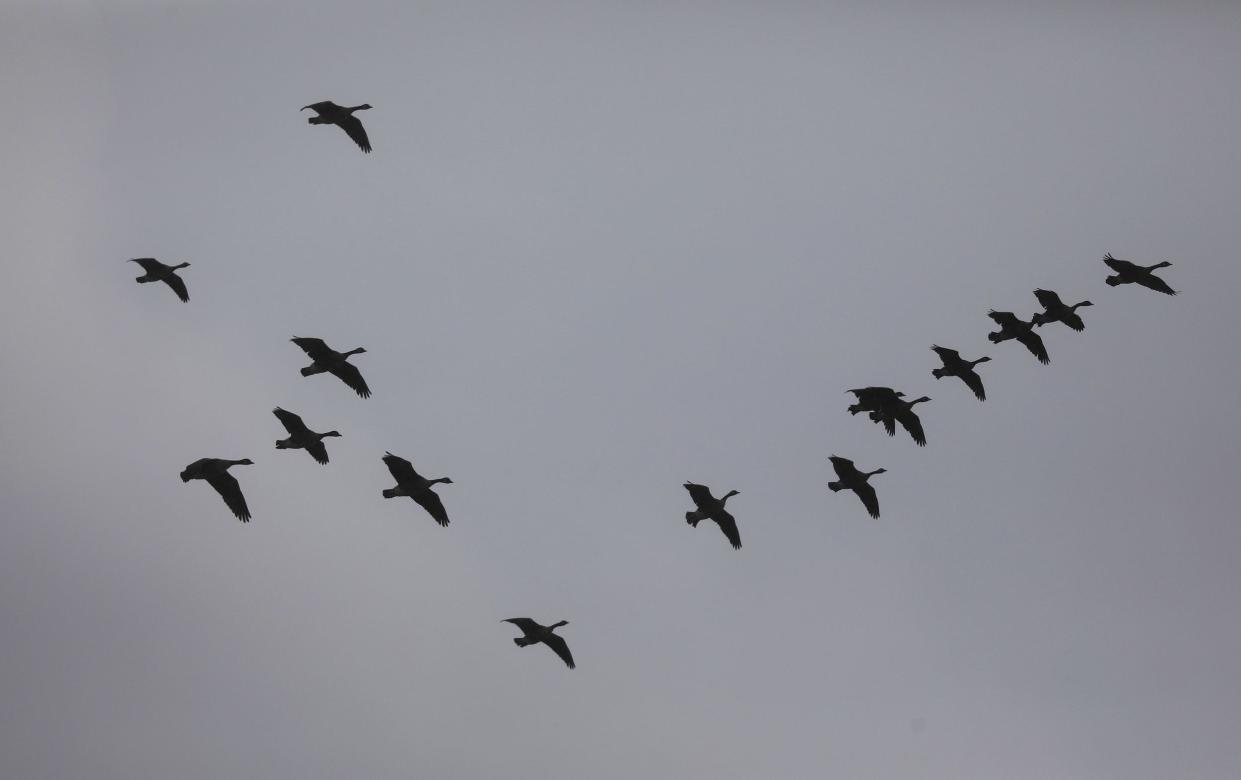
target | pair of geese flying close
[
  {"x": 214, "y": 471},
  {"x": 889, "y": 407}
]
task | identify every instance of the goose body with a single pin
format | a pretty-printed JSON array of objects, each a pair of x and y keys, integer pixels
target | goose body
[
  {"x": 1055, "y": 310},
  {"x": 849, "y": 478},
  {"x": 158, "y": 272},
  {"x": 215, "y": 472},
  {"x": 533, "y": 633},
  {"x": 328, "y": 113},
  {"x": 955, "y": 365},
  {"x": 327, "y": 360},
  {"x": 900, "y": 410},
  {"x": 301, "y": 437},
  {"x": 411, "y": 483},
  {"x": 872, "y": 399},
  {"x": 1012, "y": 327},
  {"x": 711, "y": 508},
  {"x": 1132, "y": 273}
]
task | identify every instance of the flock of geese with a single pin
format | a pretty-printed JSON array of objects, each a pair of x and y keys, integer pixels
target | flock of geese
[{"x": 882, "y": 404}]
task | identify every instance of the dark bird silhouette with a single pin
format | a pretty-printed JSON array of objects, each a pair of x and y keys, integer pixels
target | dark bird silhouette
[
  {"x": 710, "y": 507},
  {"x": 1055, "y": 310},
  {"x": 900, "y": 410},
  {"x": 1013, "y": 328},
  {"x": 852, "y": 479},
  {"x": 1132, "y": 273},
  {"x": 872, "y": 399},
  {"x": 301, "y": 437},
  {"x": 411, "y": 483},
  {"x": 328, "y": 360},
  {"x": 328, "y": 113},
  {"x": 215, "y": 471},
  {"x": 158, "y": 272},
  {"x": 955, "y": 365},
  {"x": 535, "y": 633}
]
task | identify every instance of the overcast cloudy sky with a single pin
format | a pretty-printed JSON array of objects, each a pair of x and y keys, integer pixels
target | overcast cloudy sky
[{"x": 601, "y": 249}]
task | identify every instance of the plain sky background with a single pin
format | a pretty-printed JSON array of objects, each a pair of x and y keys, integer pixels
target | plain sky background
[{"x": 601, "y": 249}]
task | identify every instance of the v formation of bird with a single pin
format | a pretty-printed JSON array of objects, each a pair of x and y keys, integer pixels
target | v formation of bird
[{"x": 883, "y": 405}]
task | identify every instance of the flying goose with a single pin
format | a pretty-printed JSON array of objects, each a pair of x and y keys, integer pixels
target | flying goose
[
  {"x": 955, "y": 365},
  {"x": 710, "y": 507},
  {"x": 535, "y": 633},
  {"x": 852, "y": 479},
  {"x": 301, "y": 437},
  {"x": 1055, "y": 310},
  {"x": 158, "y": 272},
  {"x": 1011, "y": 327},
  {"x": 1132, "y": 273},
  {"x": 328, "y": 113},
  {"x": 215, "y": 471},
  {"x": 411, "y": 483},
  {"x": 870, "y": 399},
  {"x": 326, "y": 359},
  {"x": 900, "y": 410}
]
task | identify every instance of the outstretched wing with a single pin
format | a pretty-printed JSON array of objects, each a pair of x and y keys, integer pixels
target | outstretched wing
[
  {"x": 178, "y": 286},
  {"x": 350, "y": 375},
  {"x": 945, "y": 354},
  {"x": 1073, "y": 320},
  {"x": 291, "y": 422},
  {"x": 701, "y": 494},
  {"x": 402, "y": 470},
  {"x": 1005, "y": 319},
  {"x": 429, "y": 500},
  {"x": 318, "y": 451},
  {"x": 353, "y": 127},
  {"x": 321, "y": 107},
  {"x": 869, "y": 499},
  {"x": 315, "y": 348},
  {"x": 889, "y": 422},
  {"x": 729, "y": 526},
  {"x": 843, "y": 466},
  {"x": 974, "y": 381},
  {"x": 1119, "y": 266},
  {"x": 911, "y": 422},
  {"x": 1034, "y": 343},
  {"x": 560, "y": 648},
  {"x": 226, "y": 485},
  {"x": 527, "y": 625},
  {"x": 149, "y": 264},
  {"x": 1152, "y": 282},
  {"x": 1048, "y": 299}
]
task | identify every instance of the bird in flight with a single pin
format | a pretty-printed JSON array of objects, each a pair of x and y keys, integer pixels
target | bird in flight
[
  {"x": 902, "y": 411},
  {"x": 955, "y": 365},
  {"x": 328, "y": 113},
  {"x": 1012, "y": 327},
  {"x": 1055, "y": 310},
  {"x": 327, "y": 360},
  {"x": 712, "y": 508},
  {"x": 1132, "y": 273},
  {"x": 301, "y": 437},
  {"x": 857, "y": 481},
  {"x": 158, "y": 272},
  {"x": 535, "y": 633},
  {"x": 411, "y": 483},
  {"x": 215, "y": 472},
  {"x": 872, "y": 399}
]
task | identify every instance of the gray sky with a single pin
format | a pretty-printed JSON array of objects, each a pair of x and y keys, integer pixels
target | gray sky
[{"x": 601, "y": 249}]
